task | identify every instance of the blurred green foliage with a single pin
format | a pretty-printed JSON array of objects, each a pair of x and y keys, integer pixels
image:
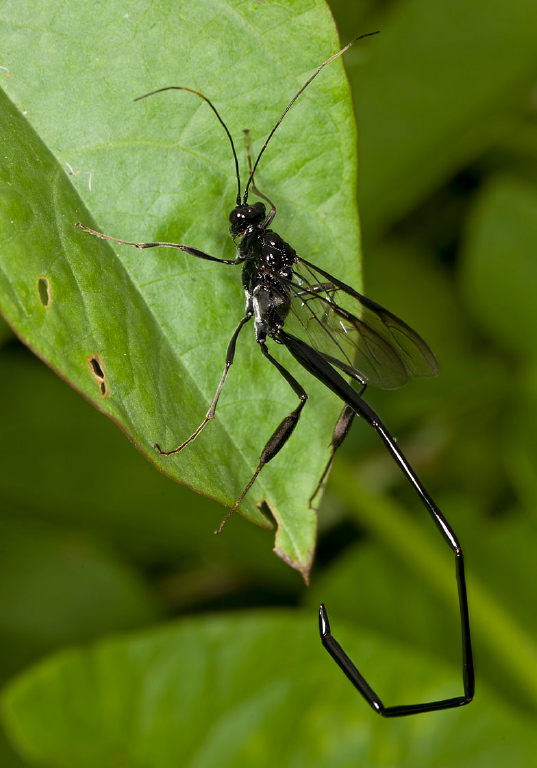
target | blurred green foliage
[{"x": 94, "y": 541}]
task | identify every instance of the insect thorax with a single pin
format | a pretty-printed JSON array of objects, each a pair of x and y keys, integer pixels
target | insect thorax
[{"x": 268, "y": 263}]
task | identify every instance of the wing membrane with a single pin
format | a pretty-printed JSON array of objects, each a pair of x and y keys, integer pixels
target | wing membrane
[{"x": 353, "y": 332}]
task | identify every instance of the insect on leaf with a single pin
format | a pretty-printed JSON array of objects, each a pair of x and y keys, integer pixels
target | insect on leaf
[{"x": 143, "y": 334}]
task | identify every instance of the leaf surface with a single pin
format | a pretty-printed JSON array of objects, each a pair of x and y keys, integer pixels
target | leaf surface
[
  {"x": 143, "y": 334},
  {"x": 238, "y": 691}
]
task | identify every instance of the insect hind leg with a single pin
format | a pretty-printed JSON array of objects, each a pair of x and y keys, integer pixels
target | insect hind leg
[
  {"x": 320, "y": 368},
  {"x": 280, "y": 435}
]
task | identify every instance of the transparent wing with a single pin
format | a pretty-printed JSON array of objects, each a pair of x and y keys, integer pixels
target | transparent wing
[{"x": 354, "y": 333}]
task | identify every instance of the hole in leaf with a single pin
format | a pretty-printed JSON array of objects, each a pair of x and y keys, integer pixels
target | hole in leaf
[
  {"x": 43, "y": 288},
  {"x": 98, "y": 372}
]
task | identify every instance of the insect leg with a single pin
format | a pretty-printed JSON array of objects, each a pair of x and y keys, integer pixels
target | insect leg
[
  {"x": 230, "y": 356},
  {"x": 186, "y": 248},
  {"x": 318, "y": 366},
  {"x": 341, "y": 430},
  {"x": 280, "y": 435}
]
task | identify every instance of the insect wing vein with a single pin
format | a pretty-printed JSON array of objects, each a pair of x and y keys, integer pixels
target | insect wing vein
[{"x": 355, "y": 333}]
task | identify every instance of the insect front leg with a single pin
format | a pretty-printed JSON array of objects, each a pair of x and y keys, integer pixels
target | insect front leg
[
  {"x": 280, "y": 435},
  {"x": 230, "y": 356},
  {"x": 185, "y": 248}
]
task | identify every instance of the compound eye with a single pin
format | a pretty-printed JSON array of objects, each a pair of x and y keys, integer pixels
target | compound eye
[{"x": 236, "y": 216}]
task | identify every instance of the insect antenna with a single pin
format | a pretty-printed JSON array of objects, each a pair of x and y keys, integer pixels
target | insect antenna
[
  {"x": 224, "y": 126},
  {"x": 253, "y": 187},
  {"x": 288, "y": 107}
]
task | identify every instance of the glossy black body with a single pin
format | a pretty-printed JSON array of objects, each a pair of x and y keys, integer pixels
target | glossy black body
[
  {"x": 340, "y": 335},
  {"x": 268, "y": 268}
]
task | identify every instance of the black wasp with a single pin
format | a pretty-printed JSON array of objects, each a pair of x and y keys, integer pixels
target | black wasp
[{"x": 335, "y": 333}]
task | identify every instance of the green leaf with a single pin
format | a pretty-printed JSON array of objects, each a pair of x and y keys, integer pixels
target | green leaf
[
  {"x": 5, "y": 331},
  {"x": 238, "y": 691},
  {"x": 443, "y": 82},
  {"x": 57, "y": 586},
  {"x": 499, "y": 270},
  {"x": 8, "y": 757},
  {"x": 519, "y": 445},
  {"x": 81, "y": 473},
  {"x": 156, "y": 324}
]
